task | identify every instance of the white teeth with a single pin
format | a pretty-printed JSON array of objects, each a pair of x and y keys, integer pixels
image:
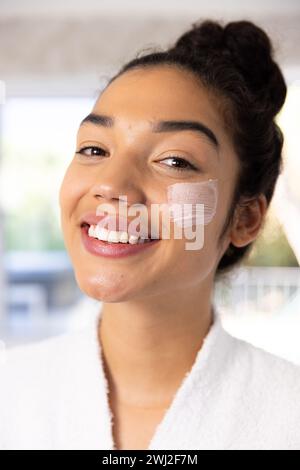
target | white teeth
[
  {"x": 123, "y": 237},
  {"x": 101, "y": 233},
  {"x": 133, "y": 239},
  {"x": 113, "y": 236},
  {"x": 91, "y": 231}
]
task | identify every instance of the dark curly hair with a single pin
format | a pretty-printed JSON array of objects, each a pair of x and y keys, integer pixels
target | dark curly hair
[{"x": 235, "y": 62}]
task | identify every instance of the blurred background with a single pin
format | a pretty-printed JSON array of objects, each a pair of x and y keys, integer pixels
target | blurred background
[{"x": 54, "y": 59}]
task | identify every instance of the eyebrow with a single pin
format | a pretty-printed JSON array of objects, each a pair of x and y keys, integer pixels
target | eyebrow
[{"x": 159, "y": 126}]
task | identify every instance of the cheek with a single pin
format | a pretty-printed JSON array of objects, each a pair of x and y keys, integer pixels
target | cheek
[
  {"x": 196, "y": 264},
  {"x": 195, "y": 254},
  {"x": 72, "y": 188},
  {"x": 193, "y": 203},
  {"x": 185, "y": 267},
  {"x": 195, "y": 208}
]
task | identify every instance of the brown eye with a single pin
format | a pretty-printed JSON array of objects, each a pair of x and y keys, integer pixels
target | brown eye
[
  {"x": 91, "y": 151},
  {"x": 180, "y": 163}
]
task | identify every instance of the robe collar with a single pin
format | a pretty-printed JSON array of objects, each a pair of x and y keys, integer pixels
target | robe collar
[{"x": 87, "y": 420}]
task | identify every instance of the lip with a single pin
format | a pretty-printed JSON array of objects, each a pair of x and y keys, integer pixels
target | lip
[{"x": 110, "y": 249}]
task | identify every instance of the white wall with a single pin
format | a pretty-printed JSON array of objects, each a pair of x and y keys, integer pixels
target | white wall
[{"x": 82, "y": 41}]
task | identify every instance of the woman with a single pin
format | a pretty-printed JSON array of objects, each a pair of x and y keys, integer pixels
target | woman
[{"x": 157, "y": 370}]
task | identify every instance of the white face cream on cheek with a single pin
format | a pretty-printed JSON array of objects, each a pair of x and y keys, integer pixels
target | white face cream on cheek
[{"x": 188, "y": 201}]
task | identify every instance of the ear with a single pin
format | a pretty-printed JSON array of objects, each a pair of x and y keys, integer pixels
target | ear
[{"x": 248, "y": 218}]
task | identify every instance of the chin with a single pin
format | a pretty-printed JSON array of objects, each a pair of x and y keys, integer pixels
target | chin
[{"x": 105, "y": 287}]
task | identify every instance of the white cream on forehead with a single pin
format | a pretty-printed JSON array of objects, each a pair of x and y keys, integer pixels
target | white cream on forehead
[{"x": 185, "y": 202}]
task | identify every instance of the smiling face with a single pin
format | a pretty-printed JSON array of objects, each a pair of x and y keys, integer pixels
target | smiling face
[{"x": 135, "y": 157}]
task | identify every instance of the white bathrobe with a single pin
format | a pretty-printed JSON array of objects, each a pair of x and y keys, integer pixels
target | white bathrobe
[{"x": 236, "y": 396}]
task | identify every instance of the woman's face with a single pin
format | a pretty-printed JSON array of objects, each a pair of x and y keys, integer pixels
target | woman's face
[{"x": 139, "y": 163}]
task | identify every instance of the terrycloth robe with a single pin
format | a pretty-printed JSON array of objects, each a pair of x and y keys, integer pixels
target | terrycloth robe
[{"x": 54, "y": 395}]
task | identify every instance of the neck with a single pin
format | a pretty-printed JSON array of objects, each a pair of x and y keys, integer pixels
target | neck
[{"x": 148, "y": 346}]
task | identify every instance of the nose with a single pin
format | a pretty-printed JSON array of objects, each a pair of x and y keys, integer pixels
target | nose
[{"x": 118, "y": 183}]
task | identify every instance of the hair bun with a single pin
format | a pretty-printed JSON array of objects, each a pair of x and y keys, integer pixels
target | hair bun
[
  {"x": 249, "y": 47},
  {"x": 207, "y": 35},
  {"x": 252, "y": 51}
]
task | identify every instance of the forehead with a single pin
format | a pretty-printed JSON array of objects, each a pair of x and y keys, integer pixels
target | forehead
[
  {"x": 158, "y": 93},
  {"x": 138, "y": 98}
]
